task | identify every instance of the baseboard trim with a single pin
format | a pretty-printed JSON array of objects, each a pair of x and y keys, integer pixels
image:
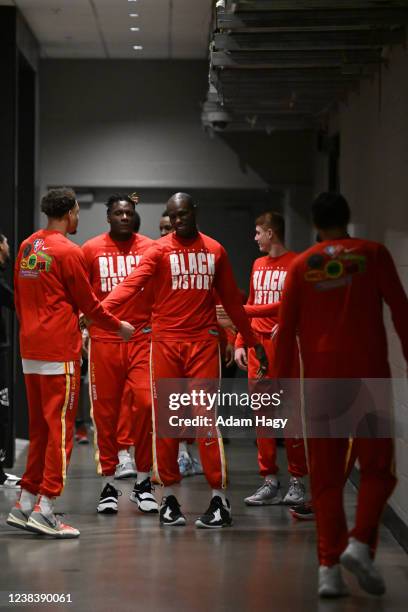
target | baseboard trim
[{"x": 390, "y": 518}]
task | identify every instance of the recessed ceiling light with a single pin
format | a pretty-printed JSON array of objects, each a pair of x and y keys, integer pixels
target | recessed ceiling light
[
  {"x": 134, "y": 29},
  {"x": 137, "y": 47},
  {"x": 133, "y": 15}
]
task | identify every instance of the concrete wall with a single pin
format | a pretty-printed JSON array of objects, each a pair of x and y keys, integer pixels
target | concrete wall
[
  {"x": 127, "y": 125},
  {"x": 373, "y": 129}
]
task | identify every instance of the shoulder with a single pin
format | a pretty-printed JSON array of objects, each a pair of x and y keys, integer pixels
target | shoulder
[
  {"x": 211, "y": 244},
  {"x": 143, "y": 242},
  {"x": 260, "y": 261},
  {"x": 96, "y": 242}
]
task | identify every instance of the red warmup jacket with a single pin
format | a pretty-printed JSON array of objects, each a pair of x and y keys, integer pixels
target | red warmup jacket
[
  {"x": 184, "y": 274},
  {"x": 265, "y": 292},
  {"x": 109, "y": 262},
  {"x": 333, "y": 298},
  {"x": 51, "y": 287}
]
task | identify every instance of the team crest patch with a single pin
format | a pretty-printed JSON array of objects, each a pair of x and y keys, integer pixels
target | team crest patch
[
  {"x": 38, "y": 244},
  {"x": 27, "y": 250},
  {"x": 32, "y": 264},
  {"x": 316, "y": 261}
]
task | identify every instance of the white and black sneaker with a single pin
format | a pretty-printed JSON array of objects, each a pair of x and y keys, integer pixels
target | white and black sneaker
[
  {"x": 142, "y": 496},
  {"x": 170, "y": 513},
  {"x": 108, "y": 502},
  {"x": 217, "y": 515}
]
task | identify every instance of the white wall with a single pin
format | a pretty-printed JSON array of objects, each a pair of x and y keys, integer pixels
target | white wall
[{"x": 374, "y": 178}]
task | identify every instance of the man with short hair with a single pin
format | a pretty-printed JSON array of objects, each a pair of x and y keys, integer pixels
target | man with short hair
[
  {"x": 266, "y": 286},
  {"x": 119, "y": 374},
  {"x": 185, "y": 267},
  {"x": 165, "y": 225},
  {"x": 51, "y": 287},
  {"x": 333, "y": 299}
]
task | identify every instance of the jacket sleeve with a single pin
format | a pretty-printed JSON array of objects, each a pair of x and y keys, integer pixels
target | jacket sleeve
[
  {"x": 288, "y": 323},
  {"x": 262, "y": 310},
  {"x": 75, "y": 278},
  {"x": 135, "y": 281},
  {"x": 231, "y": 298},
  {"x": 394, "y": 295}
]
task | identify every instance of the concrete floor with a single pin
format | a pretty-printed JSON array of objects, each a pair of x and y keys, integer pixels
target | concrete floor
[{"x": 126, "y": 562}]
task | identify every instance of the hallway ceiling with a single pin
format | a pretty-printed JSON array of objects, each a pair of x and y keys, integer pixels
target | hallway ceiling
[
  {"x": 169, "y": 29},
  {"x": 283, "y": 64}
]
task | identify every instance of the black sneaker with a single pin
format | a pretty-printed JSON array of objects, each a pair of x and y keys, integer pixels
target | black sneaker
[
  {"x": 304, "y": 512},
  {"x": 217, "y": 515},
  {"x": 170, "y": 513},
  {"x": 142, "y": 496},
  {"x": 108, "y": 502}
]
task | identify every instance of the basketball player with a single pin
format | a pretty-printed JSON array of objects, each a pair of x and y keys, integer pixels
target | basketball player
[
  {"x": 266, "y": 286},
  {"x": 51, "y": 286},
  {"x": 119, "y": 374},
  {"x": 185, "y": 266},
  {"x": 333, "y": 299}
]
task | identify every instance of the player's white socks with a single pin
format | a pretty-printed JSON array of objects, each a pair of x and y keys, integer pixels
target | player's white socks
[
  {"x": 46, "y": 504},
  {"x": 220, "y": 493},
  {"x": 271, "y": 478},
  {"x": 141, "y": 476},
  {"x": 27, "y": 500}
]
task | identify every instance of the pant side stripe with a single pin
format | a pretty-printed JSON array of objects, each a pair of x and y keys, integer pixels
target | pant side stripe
[{"x": 64, "y": 430}]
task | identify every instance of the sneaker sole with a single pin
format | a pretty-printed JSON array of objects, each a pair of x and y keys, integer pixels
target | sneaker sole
[
  {"x": 130, "y": 474},
  {"x": 32, "y": 525},
  {"x": 301, "y": 517},
  {"x": 15, "y": 522},
  {"x": 107, "y": 510},
  {"x": 200, "y": 525},
  {"x": 370, "y": 585},
  {"x": 180, "y": 522},
  {"x": 263, "y": 503},
  {"x": 145, "y": 510},
  {"x": 333, "y": 594}
]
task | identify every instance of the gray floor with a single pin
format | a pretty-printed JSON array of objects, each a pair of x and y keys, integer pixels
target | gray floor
[{"x": 126, "y": 562}]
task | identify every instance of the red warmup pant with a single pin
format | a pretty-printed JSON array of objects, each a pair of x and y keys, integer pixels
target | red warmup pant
[
  {"x": 330, "y": 464},
  {"x": 52, "y": 405},
  {"x": 198, "y": 359},
  {"x": 126, "y": 431},
  {"x": 119, "y": 373},
  {"x": 295, "y": 447}
]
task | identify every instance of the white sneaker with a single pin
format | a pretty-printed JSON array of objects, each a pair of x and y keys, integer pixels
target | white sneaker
[
  {"x": 296, "y": 492},
  {"x": 11, "y": 482},
  {"x": 357, "y": 559},
  {"x": 49, "y": 524},
  {"x": 126, "y": 468},
  {"x": 331, "y": 583},
  {"x": 268, "y": 494}
]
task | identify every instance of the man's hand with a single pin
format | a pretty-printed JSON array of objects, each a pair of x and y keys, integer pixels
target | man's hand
[
  {"x": 222, "y": 317},
  {"x": 241, "y": 358},
  {"x": 229, "y": 355},
  {"x": 263, "y": 361},
  {"x": 125, "y": 330}
]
